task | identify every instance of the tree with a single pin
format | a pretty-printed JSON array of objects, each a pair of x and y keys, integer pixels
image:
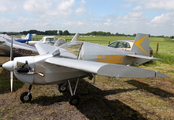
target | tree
[
  {"x": 66, "y": 32},
  {"x": 60, "y": 32}
]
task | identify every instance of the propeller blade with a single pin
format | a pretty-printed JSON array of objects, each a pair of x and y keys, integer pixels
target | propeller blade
[
  {"x": 11, "y": 58},
  {"x": 11, "y": 81}
]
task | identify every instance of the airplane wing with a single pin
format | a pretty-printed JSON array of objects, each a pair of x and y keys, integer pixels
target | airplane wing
[
  {"x": 48, "y": 49},
  {"x": 112, "y": 70},
  {"x": 44, "y": 48}
]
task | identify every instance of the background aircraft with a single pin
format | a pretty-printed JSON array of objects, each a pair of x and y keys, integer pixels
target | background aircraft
[
  {"x": 51, "y": 40},
  {"x": 19, "y": 49},
  {"x": 75, "y": 60},
  {"x": 23, "y": 39}
]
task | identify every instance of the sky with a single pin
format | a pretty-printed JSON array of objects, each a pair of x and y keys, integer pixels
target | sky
[{"x": 154, "y": 17}]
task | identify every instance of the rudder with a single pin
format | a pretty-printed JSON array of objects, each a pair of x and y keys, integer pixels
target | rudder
[{"x": 141, "y": 45}]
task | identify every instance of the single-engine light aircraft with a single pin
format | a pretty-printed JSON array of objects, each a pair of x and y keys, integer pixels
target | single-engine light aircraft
[
  {"x": 23, "y": 39},
  {"x": 19, "y": 49},
  {"x": 75, "y": 60}
]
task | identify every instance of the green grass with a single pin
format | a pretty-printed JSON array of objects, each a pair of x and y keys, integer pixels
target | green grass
[
  {"x": 109, "y": 98},
  {"x": 165, "y": 50}
]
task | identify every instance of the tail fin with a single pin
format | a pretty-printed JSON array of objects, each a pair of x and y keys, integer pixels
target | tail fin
[
  {"x": 75, "y": 38},
  {"x": 141, "y": 45},
  {"x": 30, "y": 37}
]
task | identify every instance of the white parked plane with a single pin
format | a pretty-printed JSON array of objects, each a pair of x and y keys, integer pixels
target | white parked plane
[
  {"x": 20, "y": 49},
  {"x": 51, "y": 40},
  {"x": 75, "y": 60}
]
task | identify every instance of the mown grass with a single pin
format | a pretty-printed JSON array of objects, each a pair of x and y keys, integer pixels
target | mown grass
[{"x": 108, "y": 98}]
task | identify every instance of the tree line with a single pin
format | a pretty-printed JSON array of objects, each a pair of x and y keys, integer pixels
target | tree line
[{"x": 66, "y": 32}]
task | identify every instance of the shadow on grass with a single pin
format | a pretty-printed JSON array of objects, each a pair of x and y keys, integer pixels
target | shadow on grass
[
  {"x": 93, "y": 103},
  {"x": 150, "y": 89},
  {"x": 5, "y": 82}
]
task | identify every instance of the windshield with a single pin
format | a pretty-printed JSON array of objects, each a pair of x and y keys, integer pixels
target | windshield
[
  {"x": 72, "y": 47},
  {"x": 49, "y": 39}
]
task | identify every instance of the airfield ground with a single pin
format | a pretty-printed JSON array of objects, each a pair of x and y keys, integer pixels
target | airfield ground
[{"x": 108, "y": 98}]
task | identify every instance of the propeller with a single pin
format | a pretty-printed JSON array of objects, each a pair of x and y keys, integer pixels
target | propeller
[{"x": 11, "y": 58}]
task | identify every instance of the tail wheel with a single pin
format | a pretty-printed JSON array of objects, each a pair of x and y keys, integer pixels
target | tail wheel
[{"x": 25, "y": 98}]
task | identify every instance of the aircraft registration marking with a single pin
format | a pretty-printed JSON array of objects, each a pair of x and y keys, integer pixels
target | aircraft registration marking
[
  {"x": 110, "y": 59},
  {"x": 22, "y": 51}
]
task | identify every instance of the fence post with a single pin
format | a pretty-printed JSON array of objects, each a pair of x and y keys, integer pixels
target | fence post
[
  {"x": 108, "y": 42},
  {"x": 157, "y": 49}
]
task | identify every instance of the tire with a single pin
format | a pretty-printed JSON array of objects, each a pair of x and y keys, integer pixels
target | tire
[
  {"x": 62, "y": 88},
  {"x": 74, "y": 100},
  {"x": 24, "y": 97}
]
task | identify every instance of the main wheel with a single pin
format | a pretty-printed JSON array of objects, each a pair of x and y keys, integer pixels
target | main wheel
[
  {"x": 74, "y": 100},
  {"x": 25, "y": 98},
  {"x": 62, "y": 88}
]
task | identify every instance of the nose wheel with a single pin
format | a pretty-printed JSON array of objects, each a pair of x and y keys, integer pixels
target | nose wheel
[
  {"x": 74, "y": 99},
  {"x": 26, "y": 96}
]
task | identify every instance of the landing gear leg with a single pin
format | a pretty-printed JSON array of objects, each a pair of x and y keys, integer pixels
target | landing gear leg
[
  {"x": 74, "y": 100},
  {"x": 26, "y": 96}
]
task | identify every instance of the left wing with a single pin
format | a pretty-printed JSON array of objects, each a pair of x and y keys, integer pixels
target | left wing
[{"x": 113, "y": 70}]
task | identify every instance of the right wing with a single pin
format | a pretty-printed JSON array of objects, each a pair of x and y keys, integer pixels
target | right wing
[{"x": 113, "y": 70}]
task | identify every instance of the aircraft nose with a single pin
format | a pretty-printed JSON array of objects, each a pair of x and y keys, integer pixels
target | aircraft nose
[{"x": 8, "y": 65}]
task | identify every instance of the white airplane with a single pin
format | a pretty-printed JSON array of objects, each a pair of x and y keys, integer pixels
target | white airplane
[
  {"x": 75, "y": 60},
  {"x": 19, "y": 49},
  {"x": 51, "y": 40},
  {"x": 45, "y": 40}
]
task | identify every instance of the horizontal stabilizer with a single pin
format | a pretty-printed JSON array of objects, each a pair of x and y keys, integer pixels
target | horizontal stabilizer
[
  {"x": 144, "y": 57},
  {"x": 112, "y": 70},
  {"x": 140, "y": 59}
]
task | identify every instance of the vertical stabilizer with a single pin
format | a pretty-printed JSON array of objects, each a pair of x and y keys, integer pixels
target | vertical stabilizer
[
  {"x": 30, "y": 37},
  {"x": 141, "y": 45},
  {"x": 75, "y": 38}
]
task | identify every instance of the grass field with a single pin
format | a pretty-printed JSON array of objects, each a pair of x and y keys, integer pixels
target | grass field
[
  {"x": 165, "y": 50},
  {"x": 108, "y": 98}
]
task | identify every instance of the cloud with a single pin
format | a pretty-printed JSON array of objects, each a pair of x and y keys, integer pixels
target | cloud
[
  {"x": 108, "y": 22},
  {"x": 37, "y": 7},
  {"x": 66, "y": 5},
  {"x": 163, "y": 20},
  {"x": 4, "y": 21},
  {"x": 102, "y": 16},
  {"x": 155, "y": 4},
  {"x": 21, "y": 19},
  {"x": 3, "y": 9},
  {"x": 126, "y": 5},
  {"x": 138, "y": 8},
  {"x": 81, "y": 10},
  {"x": 160, "y": 5}
]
